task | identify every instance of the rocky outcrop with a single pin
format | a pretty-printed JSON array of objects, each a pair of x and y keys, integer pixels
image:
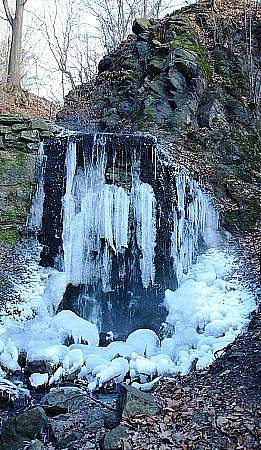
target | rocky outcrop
[{"x": 19, "y": 140}]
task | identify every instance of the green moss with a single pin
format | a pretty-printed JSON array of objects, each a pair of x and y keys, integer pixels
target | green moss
[
  {"x": 150, "y": 112},
  {"x": 9, "y": 237},
  {"x": 20, "y": 159},
  {"x": 184, "y": 41}
]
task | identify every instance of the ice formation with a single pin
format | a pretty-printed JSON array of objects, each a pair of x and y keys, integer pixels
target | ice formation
[
  {"x": 97, "y": 220},
  {"x": 36, "y": 211},
  {"x": 195, "y": 220},
  {"x": 207, "y": 311}
]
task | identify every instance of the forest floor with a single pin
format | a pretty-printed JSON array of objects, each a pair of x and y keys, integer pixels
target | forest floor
[
  {"x": 216, "y": 408},
  {"x": 24, "y": 103}
]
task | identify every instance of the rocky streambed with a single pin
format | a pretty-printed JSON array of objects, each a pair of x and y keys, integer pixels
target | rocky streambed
[{"x": 69, "y": 417}]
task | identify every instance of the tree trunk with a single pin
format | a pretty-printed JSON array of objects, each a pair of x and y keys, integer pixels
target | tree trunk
[{"x": 14, "y": 66}]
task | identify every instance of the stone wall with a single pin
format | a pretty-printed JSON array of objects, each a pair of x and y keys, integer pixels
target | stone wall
[{"x": 19, "y": 140}]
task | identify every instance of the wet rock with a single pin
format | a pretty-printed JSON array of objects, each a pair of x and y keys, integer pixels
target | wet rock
[
  {"x": 45, "y": 134},
  {"x": 133, "y": 402},
  {"x": 178, "y": 85},
  {"x": 141, "y": 26},
  {"x": 180, "y": 53},
  {"x": 19, "y": 430},
  {"x": 110, "y": 419},
  {"x": 20, "y": 127},
  {"x": 39, "y": 367},
  {"x": 114, "y": 438},
  {"x": 157, "y": 109},
  {"x": 144, "y": 36},
  {"x": 188, "y": 68},
  {"x": 158, "y": 85},
  {"x": 111, "y": 118},
  {"x": 157, "y": 63},
  {"x": 5, "y": 129},
  {"x": 5, "y": 119},
  {"x": 143, "y": 50},
  {"x": 126, "y": 108},
  {"x": 63, "y": 399}
]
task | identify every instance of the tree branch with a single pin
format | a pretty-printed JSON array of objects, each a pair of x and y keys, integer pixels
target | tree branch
[{"x": 8, "y": 13}]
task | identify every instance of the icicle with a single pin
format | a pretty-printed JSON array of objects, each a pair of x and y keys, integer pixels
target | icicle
[
  {"x": 36, "y": 212},
  {"x": 193, "y": 220},
  {"x": 144, "y": 205}
]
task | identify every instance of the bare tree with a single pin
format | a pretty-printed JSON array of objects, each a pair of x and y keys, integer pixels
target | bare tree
[
  {"x": 115, "y": 17},
  {"x": 16, "y": 23}
]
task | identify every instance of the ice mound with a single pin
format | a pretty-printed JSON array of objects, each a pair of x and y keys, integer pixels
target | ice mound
[
  {"x": 209, "y": 309},
  {"x": 68, "y": 324}
]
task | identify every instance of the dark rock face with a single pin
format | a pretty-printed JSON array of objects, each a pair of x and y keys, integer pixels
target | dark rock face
[{"x": 18, "y": 431}]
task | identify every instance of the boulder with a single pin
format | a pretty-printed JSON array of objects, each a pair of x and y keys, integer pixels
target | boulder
[
  {"x": 39, "y": 367},
  {"x": 16, "y": 432},
  {"x": 114, "y": 438},
  {"x": 110, "y": 419},
  {"x": 141, "y": 26},
  {"x": 64, "y": 399},
  {"x": 133, "y": 402},
  {"x": 60, "y": 424}
]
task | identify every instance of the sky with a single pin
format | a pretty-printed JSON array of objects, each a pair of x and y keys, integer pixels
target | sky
[{"x": 42, "y": 75}]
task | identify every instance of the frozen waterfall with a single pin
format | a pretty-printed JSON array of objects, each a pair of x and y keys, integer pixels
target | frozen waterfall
[
  {"x": 121, "y": 234},
  {"x": 128, "y": 254},
  {"x": 97, "y": 220}
]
